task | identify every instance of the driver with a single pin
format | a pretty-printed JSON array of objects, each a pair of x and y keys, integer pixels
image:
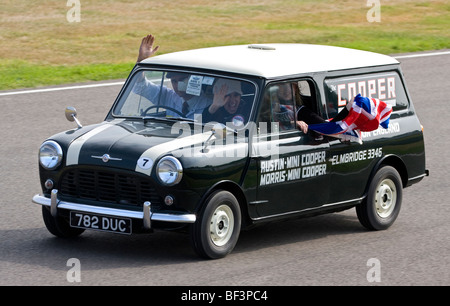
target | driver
[
  {"x": 177, "y": 98},
  {"x": 227, "y": 105}
]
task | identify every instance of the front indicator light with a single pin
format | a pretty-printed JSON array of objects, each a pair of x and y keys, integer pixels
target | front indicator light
[
  {"x": 168, "y": 200},
  {"x": 49, "y": 184}
]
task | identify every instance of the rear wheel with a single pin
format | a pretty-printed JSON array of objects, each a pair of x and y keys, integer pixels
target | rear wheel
[
  {"x": 216, "y": 231},
  {"x": 382, "y": 205},
  {"x": 58, "y": 226}
]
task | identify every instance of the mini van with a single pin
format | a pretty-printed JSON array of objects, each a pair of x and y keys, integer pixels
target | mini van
[{"x": 207, "y": 140}]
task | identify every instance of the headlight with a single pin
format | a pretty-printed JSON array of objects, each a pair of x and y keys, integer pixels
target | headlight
[
  {"x": 169, "y": 170},
  {"x": 50, "y": 155}
]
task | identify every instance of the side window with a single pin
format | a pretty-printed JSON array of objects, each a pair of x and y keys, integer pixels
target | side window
[
  {"x": 305, "y": 95},
  {"x": 278, "y": 108},
  {"x": 283, "y": 102},
  {"x": 386, "y": 86}
]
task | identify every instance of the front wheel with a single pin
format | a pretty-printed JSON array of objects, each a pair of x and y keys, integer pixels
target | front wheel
[
  {"x": 382, "y": 205},
  {"x": 216, "y": 231},
  {"x": 58, "y": 226}
]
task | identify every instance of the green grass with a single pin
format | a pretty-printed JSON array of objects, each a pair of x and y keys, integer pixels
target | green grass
[
  {"x": 21, "y": 74},
  {"x": 40, "y": 47}
]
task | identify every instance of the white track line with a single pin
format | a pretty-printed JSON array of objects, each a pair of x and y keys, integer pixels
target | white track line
[
  {"x": 422, "y": 55},
  {"x": 10, "y": 93},
  {"x": 59, "y": 88}
]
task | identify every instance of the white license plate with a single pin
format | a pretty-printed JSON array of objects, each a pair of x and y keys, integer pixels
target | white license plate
[{"x": 100, "y": 222}]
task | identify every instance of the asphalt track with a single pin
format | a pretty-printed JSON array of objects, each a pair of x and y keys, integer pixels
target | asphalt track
[{"x": 326, "y": 250}]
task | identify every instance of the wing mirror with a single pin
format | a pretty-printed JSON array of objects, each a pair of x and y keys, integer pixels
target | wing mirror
[{"x": 71, "y": 115}]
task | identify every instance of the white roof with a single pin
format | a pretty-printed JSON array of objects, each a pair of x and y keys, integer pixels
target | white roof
[{"x": 273, "y": 60}]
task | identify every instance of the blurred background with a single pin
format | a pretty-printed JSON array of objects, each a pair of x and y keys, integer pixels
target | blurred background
[{"x": 47, "y": 42}]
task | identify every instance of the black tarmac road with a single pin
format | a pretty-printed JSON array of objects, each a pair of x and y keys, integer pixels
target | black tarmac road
[{"x": 326, "y": 250}]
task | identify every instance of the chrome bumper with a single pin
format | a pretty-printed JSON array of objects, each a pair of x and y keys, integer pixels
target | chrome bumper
[{"x": 146, "y": 214}]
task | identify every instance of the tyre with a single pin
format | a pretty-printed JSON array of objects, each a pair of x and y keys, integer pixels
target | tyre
[
  {"x": 380, "y": 208},
  {"x": 216, "y": 231},
  {"x": 58, "y": 226}
]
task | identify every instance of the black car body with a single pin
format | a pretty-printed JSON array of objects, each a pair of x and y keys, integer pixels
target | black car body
[{"x": 149, "y": 166}]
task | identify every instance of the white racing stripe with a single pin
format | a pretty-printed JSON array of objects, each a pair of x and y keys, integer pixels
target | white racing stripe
[
  {"x": 155, "y": 152},
  {"x": 73, "y": 152}
]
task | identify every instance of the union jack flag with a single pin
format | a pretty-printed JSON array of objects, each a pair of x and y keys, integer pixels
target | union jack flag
[{"x": 364, "y": 115}]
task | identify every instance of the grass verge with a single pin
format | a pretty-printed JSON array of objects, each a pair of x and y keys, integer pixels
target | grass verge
[
  {"x": 22, "y": 74},
  {"x": 41, "y": 47}
]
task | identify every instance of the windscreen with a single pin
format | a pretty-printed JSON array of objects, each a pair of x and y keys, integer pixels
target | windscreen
[{"x": 192, "y": 96}]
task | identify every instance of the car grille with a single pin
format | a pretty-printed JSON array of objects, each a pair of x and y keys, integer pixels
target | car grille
[{"x": 107, "y": 186}]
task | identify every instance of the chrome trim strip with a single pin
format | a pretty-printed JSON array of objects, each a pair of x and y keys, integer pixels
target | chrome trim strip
[
  {"x": 106, "y": 158},
  {"x": 181, "y": 218},
  {"x": 417, "y": 177},
  {"x": 258, "y": 202},
  {"x": 309, "y": 209}
]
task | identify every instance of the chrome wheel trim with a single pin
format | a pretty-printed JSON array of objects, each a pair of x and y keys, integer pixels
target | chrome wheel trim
[
  {"x": 221, "y": 225},
  {"x": 385, "y": 198}
]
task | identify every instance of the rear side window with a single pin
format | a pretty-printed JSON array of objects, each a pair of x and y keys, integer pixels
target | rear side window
[{"x": 386, "y": 86}]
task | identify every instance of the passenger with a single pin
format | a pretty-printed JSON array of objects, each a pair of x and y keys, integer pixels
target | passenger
[
  {"x": 176, "y": 98},
  {"x": 227, "y": 105},
  {"x": 284, "y": 93},
  {"x": 305, "y": 115},
  {"x": 284, "y": 115},
  {"x": 282, "y": 106}
]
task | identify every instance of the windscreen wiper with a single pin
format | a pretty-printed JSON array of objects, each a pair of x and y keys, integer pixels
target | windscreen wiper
[{"x": 168, "y": 118}]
